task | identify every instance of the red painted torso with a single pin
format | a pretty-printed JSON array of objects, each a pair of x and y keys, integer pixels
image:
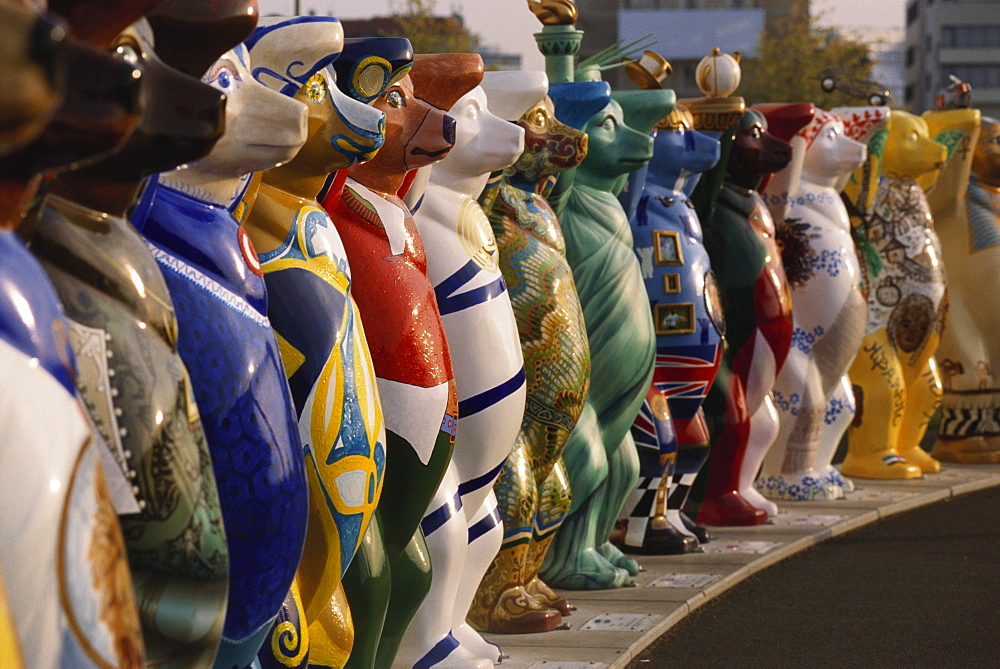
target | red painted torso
[{"x": 390, "y": 285}]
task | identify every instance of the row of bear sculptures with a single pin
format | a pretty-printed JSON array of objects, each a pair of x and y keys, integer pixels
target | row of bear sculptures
[{"x": 338, "y": 356}]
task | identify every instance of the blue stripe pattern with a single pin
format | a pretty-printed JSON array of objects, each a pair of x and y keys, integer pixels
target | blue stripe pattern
[
  {"x": 433, "y": 521},
  {"x": 441, "y": 650},
  {"x": 485, "y": 525},
  {"x": 488, "y": 398},
  {"x": 480, "y": 481},
  {"x": 449, "y": 303}
]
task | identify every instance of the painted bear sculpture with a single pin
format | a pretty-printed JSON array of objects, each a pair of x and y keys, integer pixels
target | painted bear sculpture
[
  {"x": 896, "y": 379},
  {"x": 966, "y": 209},
  {"x": 463, "y": 265},
  {"x": 812, "y": 392},
  {"x": 740, "y": 240},
  {"x": 97, "y": 109},
  {"x": 309, "y": 279},
  {"x": 600, "y": 454},
  {"x": 532, "y": 490},
  {"x": 124, "y": 333},
  {"x": 67, "y": 574},
  {"x": 68, "y": 598},
  {"x": 402, "y": 321},
  {"x": 689, "y": 325},
  {"x": 228, "y": 345}
]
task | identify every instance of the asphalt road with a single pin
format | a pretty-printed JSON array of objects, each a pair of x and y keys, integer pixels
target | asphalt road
[{"x": 920, "y": 589}]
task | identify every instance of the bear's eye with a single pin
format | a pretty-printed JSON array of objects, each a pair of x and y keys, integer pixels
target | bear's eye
[
  {"x": 395, "y": 99},
  {"x": 912, "y": 137},
  {"x": 222, "y": 75},
  {"x": 756, "y": 132},
  {"x": 610, "y": 123}
]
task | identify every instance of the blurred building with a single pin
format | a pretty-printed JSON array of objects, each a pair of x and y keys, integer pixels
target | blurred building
[
  {"x": 684, "y": 30},
  {"x": 957, "y": 37},
  {"x": 495, "y": 59}
]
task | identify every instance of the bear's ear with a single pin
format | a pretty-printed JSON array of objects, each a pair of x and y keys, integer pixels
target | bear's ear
[
  {"x": 98, "y": 22},
  {"x": 785, "y": 119},
  {"x": 511, "y": 93},
  {"x": 440, "y": 79},
  {"x": 369, "y": 65},
  {"x": 192, "y": 34},
  {"x": 287, "y": 51}
]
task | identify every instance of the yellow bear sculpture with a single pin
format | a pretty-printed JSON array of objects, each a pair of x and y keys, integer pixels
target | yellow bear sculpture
[{"x": 896, "y": 379}]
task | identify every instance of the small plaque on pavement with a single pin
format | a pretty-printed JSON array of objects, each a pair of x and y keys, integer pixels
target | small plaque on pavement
[
  {"x": 685, "y": 580},
  {"x": 796, "y": 519},
  {"x": 758, "y": 547},
  {"x": 876, "y": 496},
  {"x": 620, "y": 622}
]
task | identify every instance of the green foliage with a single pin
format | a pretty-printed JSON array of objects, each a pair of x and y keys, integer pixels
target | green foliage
[
  {"x": 790, "y": 57},
  {"x": 431, "y": 34}
]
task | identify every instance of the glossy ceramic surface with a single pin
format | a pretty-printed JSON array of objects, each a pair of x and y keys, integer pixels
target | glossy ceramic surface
[
  {"x": 895, "y": 372},
  {"x": 812, "y": 393},
  {"x": 740, "y": 240},
  {"x": 600, "y": 454},
  {"x": 400, "y": 314},
  {"x": 689, "y": 325},
  {"x": 463, "y": 265},
  {"x": 68, "y": 583},
  {"x": 965, "y": 203},
  {"x": 123, "y": 330},
  {"x": 309, "y": 281},
  {"x": 532, "y": 490}
]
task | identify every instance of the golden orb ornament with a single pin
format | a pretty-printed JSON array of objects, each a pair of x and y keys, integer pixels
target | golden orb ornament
[{"x": 718, "y": 74}]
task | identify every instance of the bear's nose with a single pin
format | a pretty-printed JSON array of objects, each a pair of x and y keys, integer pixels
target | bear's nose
[{"x": 448, "y": 129}]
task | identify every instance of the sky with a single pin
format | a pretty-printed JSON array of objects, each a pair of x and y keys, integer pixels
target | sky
[{"x": 509, "y": 24}]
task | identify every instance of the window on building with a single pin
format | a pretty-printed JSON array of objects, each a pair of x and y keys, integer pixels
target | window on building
[
  {"x": 908, "y": 94},
  {"x": 970, "y": 36},
  {"x": 911, "y": 56},
  {"x": 980, "y": 76},
  {"x": 912, "y": 12}
]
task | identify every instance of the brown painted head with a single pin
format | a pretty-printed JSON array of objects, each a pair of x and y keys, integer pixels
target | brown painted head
[
  {"x": 100, "y": 107},
  {"x": 98, "y": 22},
  {"x": 755, "y": 151},
  {"x": 192, "y": 34},
  {"x": 182, "y": 117},
  {"x": 418, "y": 131},
  {"x": 32, "y": 76}
]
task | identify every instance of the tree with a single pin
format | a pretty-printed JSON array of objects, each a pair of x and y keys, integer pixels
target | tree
[
  {"x": 432, "y": 34},
  {"x": 791, "y": 56}
]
